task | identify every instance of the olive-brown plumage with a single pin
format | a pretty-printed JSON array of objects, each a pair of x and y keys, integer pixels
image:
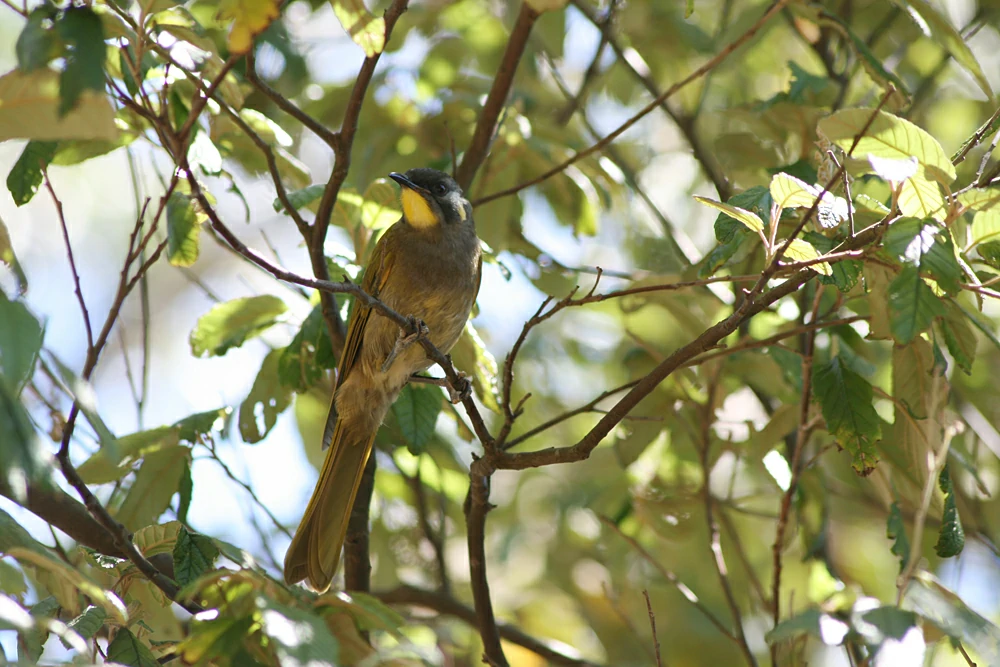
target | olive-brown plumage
[{"x": 427, "y": 266}]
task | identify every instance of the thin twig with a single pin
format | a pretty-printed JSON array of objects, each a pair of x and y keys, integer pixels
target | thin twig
[
  {"x": 714, "y": 538},
  {"x": 681, "y": 587},
  {"x": 328, "y": 136},
  {"x": 652, "y": 628},
  {"x": 801, "y": 438},
  {"x": 72, "y": 260}
]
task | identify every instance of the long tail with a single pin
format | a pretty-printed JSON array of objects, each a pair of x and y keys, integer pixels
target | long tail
[{"x": 315, "y": 550}]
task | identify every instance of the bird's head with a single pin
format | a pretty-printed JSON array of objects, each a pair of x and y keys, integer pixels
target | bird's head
[{"x": 431, "y": 198}]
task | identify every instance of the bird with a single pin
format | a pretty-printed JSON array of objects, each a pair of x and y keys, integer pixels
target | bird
[{"x": 427, "y": 266}]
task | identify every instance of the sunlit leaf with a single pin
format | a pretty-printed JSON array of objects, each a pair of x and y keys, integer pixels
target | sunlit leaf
[
  {"x": 928, "y": 247},
  {"x": 230, "y": 324},
  {"x": 268, "y": 398},
  {"x": 366, "y": 30},
  {"x": 749, "y": 219},
  {"x": 288, "y": 627},
  {"x": 802, "y": 251},
  {"x": 81, "y": 582},
  {"x": 887, "y": 136},
  {"x": 921, "y": 197},
  {"x": 249, "y": 18},
  {"x": 29, "y": 109},
  {"x": 182, "y": 230}
]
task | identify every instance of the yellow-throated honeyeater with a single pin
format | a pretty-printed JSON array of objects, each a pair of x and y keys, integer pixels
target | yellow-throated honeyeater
[{"x": 427, "y": 265}]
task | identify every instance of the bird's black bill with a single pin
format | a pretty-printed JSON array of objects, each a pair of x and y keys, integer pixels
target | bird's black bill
[{"x": 407, "y": 183}]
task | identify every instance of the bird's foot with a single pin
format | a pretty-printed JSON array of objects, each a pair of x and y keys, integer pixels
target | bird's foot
[
  {"x": 463, "y": 391},
  {"x": 455, "y": 394},
  {"x": 405, "y": 340}
]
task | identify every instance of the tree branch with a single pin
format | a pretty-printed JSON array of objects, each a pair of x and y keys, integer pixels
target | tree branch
[{"x": 497, "y": 98}]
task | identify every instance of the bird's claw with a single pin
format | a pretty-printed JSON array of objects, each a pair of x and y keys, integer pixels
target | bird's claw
[
  {"x": 458, "y": 394},
  {"x": 404, "y": 340}
]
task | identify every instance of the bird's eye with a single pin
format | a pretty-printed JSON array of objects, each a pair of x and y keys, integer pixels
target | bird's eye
[{"x": 440, "y": 189}]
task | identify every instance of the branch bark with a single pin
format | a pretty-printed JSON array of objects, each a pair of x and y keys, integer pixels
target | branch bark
[{"x": 497, "y": 98}]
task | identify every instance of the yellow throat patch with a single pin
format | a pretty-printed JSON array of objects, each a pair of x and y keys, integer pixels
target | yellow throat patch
[{"x": 417, "y": 211}]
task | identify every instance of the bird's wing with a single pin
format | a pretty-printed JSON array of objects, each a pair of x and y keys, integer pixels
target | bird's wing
[{"x": 375, "y": 277}]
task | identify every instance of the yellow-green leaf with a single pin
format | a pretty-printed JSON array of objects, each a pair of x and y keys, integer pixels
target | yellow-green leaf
[
  {"x": 249, "y": 18},
  {"x": 366, "y": 30},
  {"x": 803, "y": 251},
  {"x": 29, "y": 109},
  {"x": 790, "y": 192},
  {"x": 887, "y": 136},
  {"x": 105, "y": 599},
  {"x": 920, "y": 197},
  {"x": 748, "y": 218}
]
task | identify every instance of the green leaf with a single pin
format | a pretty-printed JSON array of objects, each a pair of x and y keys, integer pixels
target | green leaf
[
  {"x": 872, "y": 64},
  {"x": 82, "y": 31},
  {"x": 268, "y": 398},
  {"x": 985, "y": 226},
  {"x": 912, "y": 305},
  {"x": 887, "y": 136},
  {"x": 184, "y": 493},
  {"x": 310, "y": 353},
  {"x": 951, "y": 537},
  {"x": 13, "y": 535},
  {"x": 87, "y": 623},
  {"x": 928, "y": 598},
  {"x": 730, "y": 234},
  {"x": 126, "y": 649},
  {"x": 928, "y": 247},
  {"x": 920, "y": 196},
  {"x": 301, "y": 198},
  {"x": 802, "y": 251},
  {"x": 12, "y": 580},
  {"x": 26, "y": 175},
  {"x": 846, "y": 401},
  {"x": 891, "y": 623},
  {"x": 749, "y": 219},
  {"x": 470, "y": 353},
  {"x": 980, "y": 199},
  {"x": 193, "y": 427},
  {"x": 958, "y": 337},
  {"x": 34, "y": 639},
  {"x": 9, "y": 259},
  {"x": 845, "y": 273},
  {"x": 381, "y": 205},
  {"x": 989, "y": 252},
  {"x": 895, "y": 530},
  {"x": 230, "y": 324},
  {"x": 24, "y": 460},
  {"x": 829, "y": 629},
  {"x": 366, "y": 30},
  {"x": 157, "y": 481},
  {"x": 249, "y": 17},
  {"x": 182, "y": 230},
  {"x": 109, "y": 466},
  {"x": 194, "y": 555},
  {"x": 416, "y": 412},
  {"x": 29, "y": 109},
  {"x": 20, "y": 342},
  {"x": 287, "y": 627},
  {"x": 791, "y": 192},
  {"x": 38, "y": 44},
  {"x": 942, "y": 32}
]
